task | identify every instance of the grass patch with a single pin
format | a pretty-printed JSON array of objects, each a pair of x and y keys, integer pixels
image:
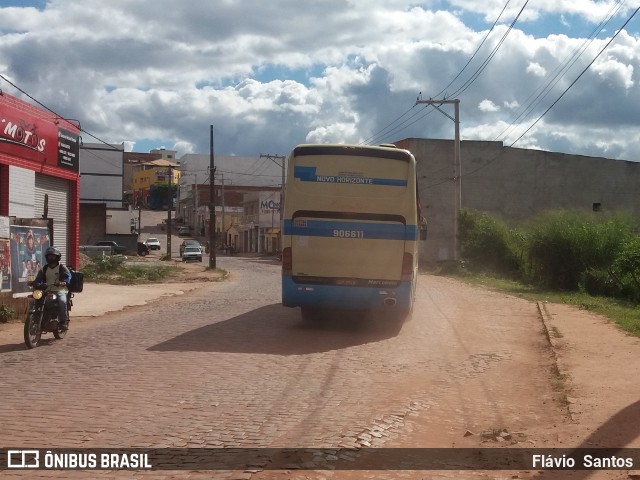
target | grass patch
[
  {"x": 114, "y": 271},
  {"x": 625, "y": 314},
  {"x": 7, "y": 313}
]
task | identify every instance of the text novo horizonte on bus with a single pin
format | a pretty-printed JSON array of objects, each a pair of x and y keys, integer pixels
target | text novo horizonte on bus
[{"x": 338, "y": 179}]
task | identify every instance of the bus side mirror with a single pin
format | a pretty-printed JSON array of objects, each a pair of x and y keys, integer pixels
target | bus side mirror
[{"x": 423, "y": 229}]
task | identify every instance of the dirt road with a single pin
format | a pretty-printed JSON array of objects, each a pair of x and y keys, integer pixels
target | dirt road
[{"x": 227, "y": 366}]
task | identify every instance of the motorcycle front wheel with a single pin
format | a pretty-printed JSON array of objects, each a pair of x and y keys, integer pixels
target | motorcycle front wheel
[
  {"x": 60, "y": 333},
  {"x": 32, "y": 331}
]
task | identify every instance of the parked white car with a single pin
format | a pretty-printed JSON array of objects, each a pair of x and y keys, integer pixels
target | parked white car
[
  {"x": 192, "y": 254},
  {"x": 153, "y": 243}
]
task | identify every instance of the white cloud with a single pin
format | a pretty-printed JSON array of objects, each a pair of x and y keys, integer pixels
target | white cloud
[
  {"x": 341, "y": 71},
  {"x": 334, "y": 133},
  {"x": 536, "y": 69},
  {"x": 488, "y": 106},
  {"x": 615, "y": 71},
  {"x": 590, "y": 10}
]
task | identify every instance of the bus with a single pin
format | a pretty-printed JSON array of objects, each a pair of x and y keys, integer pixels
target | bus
[{"x": 351, "y": 229}]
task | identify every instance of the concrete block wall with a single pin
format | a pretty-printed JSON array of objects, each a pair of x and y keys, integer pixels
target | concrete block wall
[{"x": 514, "y": 184}]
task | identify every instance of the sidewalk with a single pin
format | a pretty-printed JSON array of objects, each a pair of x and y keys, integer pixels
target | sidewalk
[{"x": 97, "y": 299}]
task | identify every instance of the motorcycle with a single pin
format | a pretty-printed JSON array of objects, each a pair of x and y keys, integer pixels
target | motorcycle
[
  {"x": 143, "y": 249},
  {"x": 43, "y": 315}
]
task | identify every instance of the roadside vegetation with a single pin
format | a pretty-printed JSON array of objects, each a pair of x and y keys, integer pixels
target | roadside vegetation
[
  {"x": 112, "y": 269},
  {"x": 587, "y": 259},
  {"x": 6, "y": 313}
]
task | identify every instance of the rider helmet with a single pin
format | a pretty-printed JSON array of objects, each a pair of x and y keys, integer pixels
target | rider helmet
[{"x": 52, "y": 252}]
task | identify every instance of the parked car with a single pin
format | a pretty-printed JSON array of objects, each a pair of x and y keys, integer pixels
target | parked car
[
  {"x": 189, "y": 243},
  {"x": 192, "y": 254},
  {"x": 184, "y": 231},
  {"x": 115, "y": 248},
  {"x": 143, "y": 249},
  {"x": 152, "y": 243}
]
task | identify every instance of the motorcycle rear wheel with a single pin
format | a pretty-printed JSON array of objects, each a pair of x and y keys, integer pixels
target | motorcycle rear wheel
[{"x": 32, "y": 333}]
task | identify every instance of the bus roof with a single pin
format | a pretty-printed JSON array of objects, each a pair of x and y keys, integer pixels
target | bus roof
[{"x": 353, "y": 150}]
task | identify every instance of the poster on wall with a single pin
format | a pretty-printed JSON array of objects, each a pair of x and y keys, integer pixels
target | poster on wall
[
  {"x": 5, "y": 265},
  {"x": 28, "y": 245},
  {"x": 4, "y": 227},
  {"x": 5, "y": 255}
]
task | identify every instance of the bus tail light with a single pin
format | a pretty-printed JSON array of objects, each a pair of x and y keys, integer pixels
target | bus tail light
[
  {"x": 287, "y": 260},
  {"x": 407, "y": 267}
]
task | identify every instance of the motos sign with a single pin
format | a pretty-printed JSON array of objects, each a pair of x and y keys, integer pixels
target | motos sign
[
  {"x": 20, "y": 134},
  {"x": 269, "y": 205},
  {"x": 32, "y": 134}
]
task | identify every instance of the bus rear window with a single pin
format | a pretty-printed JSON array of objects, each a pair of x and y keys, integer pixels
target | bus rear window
[{"x": 350, "y": 176}]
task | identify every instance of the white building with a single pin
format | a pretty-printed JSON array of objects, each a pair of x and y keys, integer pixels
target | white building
[
  {"x": 260, "y": 225},
  {"x": 101, "y": 185},
  {"x": 101, "y": 174},
  {"x": 234, "y": 176}
]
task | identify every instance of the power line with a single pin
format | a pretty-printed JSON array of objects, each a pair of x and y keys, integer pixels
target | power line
[
  {"x": 545, "y": 88},
  {"x": 484, "y": 64},
  {"x": 380, "y": 135},
  {"x": 558, "y": 70},
  {"x": 404, "y": 124},
  {"x": 55, "y": 113},
  {"x": 379, "y": 132},
  {"x": 103, "y": 159},
  {"x": 253, "y": 166},
  {"x": 476, "y": 51},
  {"x": 579, "y": 76},
  {"x": 551, "y": 106}
]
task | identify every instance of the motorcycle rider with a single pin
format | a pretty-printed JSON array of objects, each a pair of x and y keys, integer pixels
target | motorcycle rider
[{"x": 57, "y": 277}]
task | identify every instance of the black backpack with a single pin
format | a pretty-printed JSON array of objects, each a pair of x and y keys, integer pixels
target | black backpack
[{"x": 77, "y": 278}]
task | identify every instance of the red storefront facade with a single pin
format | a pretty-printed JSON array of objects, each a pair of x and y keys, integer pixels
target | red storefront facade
[{"x": 39, "y": 170}]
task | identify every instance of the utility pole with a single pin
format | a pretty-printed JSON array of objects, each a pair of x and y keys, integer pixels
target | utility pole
[
  {"x": 195, "y": 201},
  {"x": 224, "y": 232},
  {"x": 457, "y": 165},
  {"x": 273, "y": 158},
  {"x": 212, "y": 205},
  {"x": 169, "y": 216}
]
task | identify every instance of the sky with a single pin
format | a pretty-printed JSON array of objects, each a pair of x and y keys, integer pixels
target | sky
[{"x": 557, "y": 75}]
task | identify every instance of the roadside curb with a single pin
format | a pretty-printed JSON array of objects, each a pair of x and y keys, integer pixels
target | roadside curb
[
  {"x": 561, "y": 373},
  {"x": 546, "y": 323}
]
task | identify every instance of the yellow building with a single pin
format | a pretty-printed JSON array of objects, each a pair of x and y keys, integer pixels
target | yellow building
[{"x": 156, "y": 172}]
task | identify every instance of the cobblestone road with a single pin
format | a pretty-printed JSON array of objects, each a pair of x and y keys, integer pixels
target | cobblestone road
[{"x": 228, "y": 366}]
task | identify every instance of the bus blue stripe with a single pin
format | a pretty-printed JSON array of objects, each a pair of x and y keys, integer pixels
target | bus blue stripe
[{"x": 326, "y": 228}]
